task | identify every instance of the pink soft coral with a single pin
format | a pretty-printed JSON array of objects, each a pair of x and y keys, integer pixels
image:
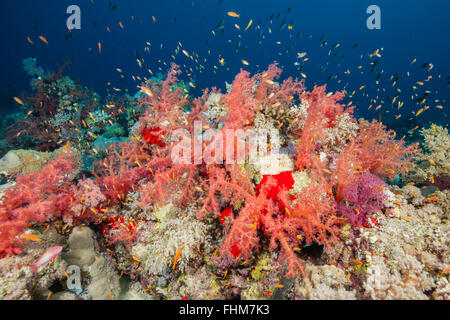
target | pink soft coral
[{"x": 361, "y": 198}]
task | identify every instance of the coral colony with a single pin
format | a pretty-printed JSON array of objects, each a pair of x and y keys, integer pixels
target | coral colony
[{"x": 222, "y": 196}]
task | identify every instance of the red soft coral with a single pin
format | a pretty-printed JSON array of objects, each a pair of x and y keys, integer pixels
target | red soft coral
[
  {"x": 240, "y": 102},
  {"x": 36, "y": 197},
  {"x": 323, "y": 110},
  {"x": 373, "y": 150}
]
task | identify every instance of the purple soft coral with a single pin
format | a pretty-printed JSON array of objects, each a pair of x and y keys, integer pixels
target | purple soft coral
[{"x": 362, "y": 198}]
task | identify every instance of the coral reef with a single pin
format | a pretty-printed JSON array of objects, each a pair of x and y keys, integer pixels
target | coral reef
[
  {"x": 433, "y": 165},
  {"x": 320, "y": 219}
]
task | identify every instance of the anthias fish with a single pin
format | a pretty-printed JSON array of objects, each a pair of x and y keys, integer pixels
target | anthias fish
[{"x": 46, "y": 257}]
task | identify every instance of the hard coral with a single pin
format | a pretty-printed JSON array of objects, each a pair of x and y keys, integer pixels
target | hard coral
[{"x": 433, "y": 165}]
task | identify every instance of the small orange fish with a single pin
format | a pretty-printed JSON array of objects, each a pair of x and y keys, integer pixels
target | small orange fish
[
  {"x": 67, "y": 146},
  {"x": 100, "y": 47},
  {"x": 147, "y": 91},
  {"x": 29, "y": 40},
  {"x": 233, "y": 14},
  {"x": 375, "y": 53},
  {"x": 419, "y": 112},
  {"x": 357, "y": 261},
  {"x": 177, "y": 256},
  {"x": 44, "y": 39},
  {"x": 19, "y": 101},
  {"x": 32, "y": 237}
]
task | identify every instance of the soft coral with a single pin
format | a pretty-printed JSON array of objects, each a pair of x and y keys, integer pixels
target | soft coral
[
  {"x": 373, "y": 150},
  {"x": 36, "y": 197},
  {"x": 361, "y": 198},
  {"x": 323, "y": 110}
]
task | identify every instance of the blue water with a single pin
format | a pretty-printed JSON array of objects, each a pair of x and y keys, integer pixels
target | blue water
[{"x": 409, "y": 29}]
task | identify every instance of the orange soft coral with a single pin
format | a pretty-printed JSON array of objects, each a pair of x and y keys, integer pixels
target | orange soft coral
[{"x": 380, "y": 153}]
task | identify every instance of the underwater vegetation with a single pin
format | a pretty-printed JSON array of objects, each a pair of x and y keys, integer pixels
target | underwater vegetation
[{"x": 320, "y": 215}]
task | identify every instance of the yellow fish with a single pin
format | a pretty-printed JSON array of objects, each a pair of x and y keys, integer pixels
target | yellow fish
[{"x": 249, "y": 24}]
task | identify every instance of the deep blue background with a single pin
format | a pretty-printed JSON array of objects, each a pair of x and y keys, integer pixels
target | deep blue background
[{"x": 410, "y": 29}]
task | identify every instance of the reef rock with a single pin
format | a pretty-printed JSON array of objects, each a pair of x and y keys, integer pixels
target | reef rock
[
  {"x": 103, "y": 280},
  {"x": 28, "y": 161}
]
